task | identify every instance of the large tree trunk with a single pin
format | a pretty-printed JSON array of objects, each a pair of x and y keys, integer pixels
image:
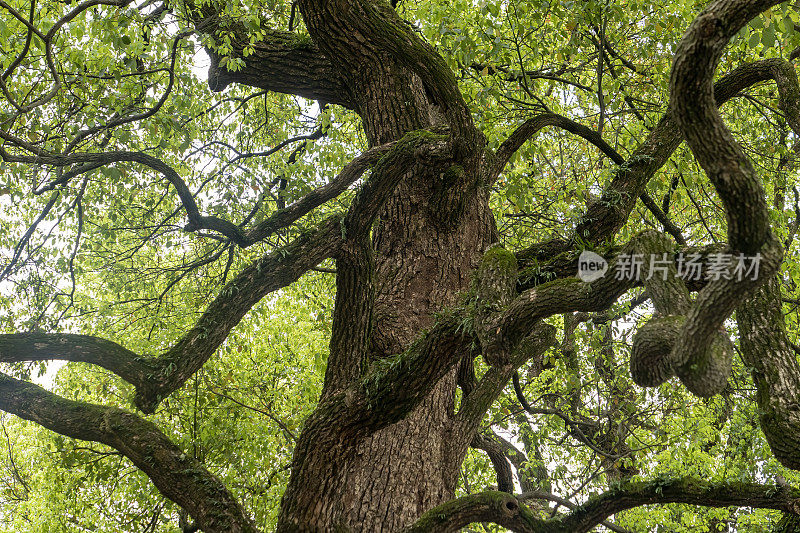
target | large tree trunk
[
  {"x": 428, "y": 238},
  {"x": 391, "y": 477}
]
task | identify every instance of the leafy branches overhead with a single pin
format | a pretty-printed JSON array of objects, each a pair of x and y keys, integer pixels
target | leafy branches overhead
[{"x": 330, "y": 251}]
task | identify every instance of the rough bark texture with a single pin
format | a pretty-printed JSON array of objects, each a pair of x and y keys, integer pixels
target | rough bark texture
[
  {"x": 422, "y": 288},
  {"x": 427, "y": 240},
  {"x": 767, "y": 349}
]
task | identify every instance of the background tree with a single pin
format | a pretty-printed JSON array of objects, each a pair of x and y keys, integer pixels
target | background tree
[{"x": 180, "y": 247}]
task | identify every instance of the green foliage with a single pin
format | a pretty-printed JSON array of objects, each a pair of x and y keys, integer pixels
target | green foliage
[{"x": 121, "y": 267}]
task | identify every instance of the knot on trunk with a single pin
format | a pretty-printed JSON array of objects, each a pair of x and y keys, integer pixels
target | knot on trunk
[
  {"x": 687, "y": 338},
  {"x": 494, "y": 288}
]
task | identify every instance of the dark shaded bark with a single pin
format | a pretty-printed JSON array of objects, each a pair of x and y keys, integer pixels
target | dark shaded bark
[{"x": 429, "y": 235}]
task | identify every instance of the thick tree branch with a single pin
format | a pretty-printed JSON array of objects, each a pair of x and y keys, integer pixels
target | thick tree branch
[
  {"x": 769, "y": 352},
  {"x": 547, "y": 496},
  {"x": 496, "y": 453},
  {"x": 177, "y": 476},
  {"x": 694, "y": 107},
  {"x": 155, "y": 378},
  {"x": 682, "y": 490},
  {"x": 491, "y": 506},
  {"x": 284, "y": 62},
  {"x": 606, "y": 216},
  {"x": 506, "y": 510},
  {"x": 18, "y": 347}
]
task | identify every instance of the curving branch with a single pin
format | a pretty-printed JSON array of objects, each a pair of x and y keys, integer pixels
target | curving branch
[
  {"x": 157, "y": 377},
  {"x": 656, "y": 354},
  {"x": 510, "y": 331},
  {"x": 688, "y": 490},
  {"x": 653, "y": 358},
  {"x": 491, "y": 506},
  {"x": 272, "y": 272},
  {"x": 85, "y": 162},
  {"x": 177, "y": 476},
  {"x": 496, "y": 453},
  {"x": 547, "y": 496},
  {"x": 605, "y": 217},
  {"x": 507, "y": 510},
  {"x": 695, "y": 111},
  {"x": 532, "y": 126}
]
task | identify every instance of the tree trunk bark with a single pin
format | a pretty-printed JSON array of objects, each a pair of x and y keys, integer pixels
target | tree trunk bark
[{"x": 428, "y": 238}]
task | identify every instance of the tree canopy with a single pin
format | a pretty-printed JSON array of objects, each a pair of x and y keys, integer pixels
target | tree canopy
[{"x": 315, "y": 265}]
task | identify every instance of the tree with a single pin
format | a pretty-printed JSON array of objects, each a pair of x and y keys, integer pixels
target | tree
[{"x": 437, "y": 305}]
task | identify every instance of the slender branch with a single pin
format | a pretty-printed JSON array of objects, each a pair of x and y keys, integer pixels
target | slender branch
[
  {"x": 662, "y": 217},
  {"x": 28, "y": 233},
  {"x": 491, "y": 385},
  {"x": 349, "y": 174},
  {"x": 279, "y": 269},
  {"x": 531, "y": 127},
  {"x": 576, "y": 430}
]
